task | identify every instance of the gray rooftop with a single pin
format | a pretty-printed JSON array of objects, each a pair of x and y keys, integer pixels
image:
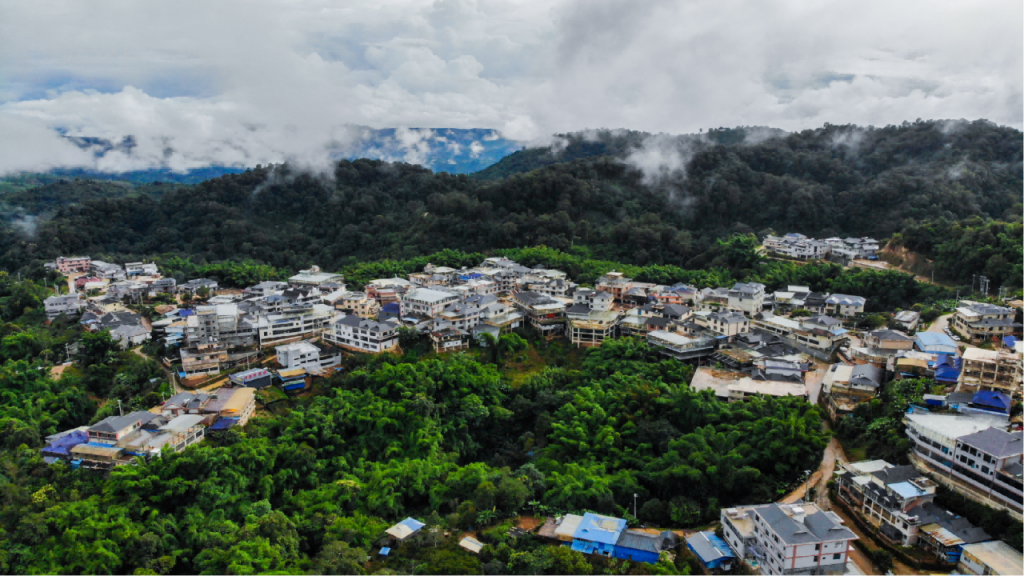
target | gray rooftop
[
  {"x": 996, "y": 442},
  {"x": 815, "y": 528},
  {"x": 867, "y": 375}
]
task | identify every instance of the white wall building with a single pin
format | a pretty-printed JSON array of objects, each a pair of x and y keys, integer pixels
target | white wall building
[
  {"x": 307, "y": 355},
  {"x": 362, "y": 335},
  {"x": 789, "y": 539},
  {"x": 427, "y": 302}
]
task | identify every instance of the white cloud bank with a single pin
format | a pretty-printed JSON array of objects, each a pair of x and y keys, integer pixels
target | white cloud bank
[{"x": 244, "y": 82}]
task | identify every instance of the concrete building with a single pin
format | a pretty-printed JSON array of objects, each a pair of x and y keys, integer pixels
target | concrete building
[
  {"x": 796, "y": 245},
  {"x": 992, "y": 557},
  {"x": 76, "y": 264},
  {"x": 314, "y": 277},
  {"x": 981, "y": 321},
  {"x": 992, "y": 370},
  {"x": 257, "y": 378},
  {"x": 192, "y": 287},
  {"x": 294, "y": 323},
  {"x": 140, "y": 269},
  {"x": 724, "y": 323},
  {"x": 68, "y": 305},
  {"x": 447, "y": 338},
  {"x": 222, "y": 323},
  {"x": 788, "y": 539},
  {"x": 747, "y": 297},
  {"x": 680, "y": 347},
  {"x": 844, "y": 305},
  {"x": 203, "y": 359},
  {"x": 106, "y": 271},
  {"x": 308, "y": 355},
  {"x": 360, "y": 304},
  {"x": 907, "y": 319},
  {"x": 542, "y": 312},
  {"x": 361, "y": 335},
  {"x": 461, "y": 316},
  {"x": 971, "y": 450},
  {"x": 589, "y": 327},
  {"x": 888, "y": 497},
  {"x": 426, "y": 302},
  {"x": 819, "y": 333},
  {"x": 846, "y": 386}
]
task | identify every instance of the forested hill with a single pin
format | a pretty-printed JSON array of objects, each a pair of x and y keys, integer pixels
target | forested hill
[{"x": 627, "y": 196}]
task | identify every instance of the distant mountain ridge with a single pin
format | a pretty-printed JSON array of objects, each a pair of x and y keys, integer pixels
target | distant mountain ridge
[{"x": 452, "y": 150}]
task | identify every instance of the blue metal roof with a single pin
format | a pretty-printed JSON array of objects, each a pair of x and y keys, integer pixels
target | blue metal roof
[
  {"x": 993, "y": 399},
  {"x": 385, "y": 551},
  {"x": 1009, "y": 341},
  {"x": 926, "y": 340},
  {"x": 224, "y": 423},
  {"x": 598, "y": 528}
]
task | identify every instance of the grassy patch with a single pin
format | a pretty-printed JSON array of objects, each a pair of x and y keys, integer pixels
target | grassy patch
[{"x": 857, "y": 454}]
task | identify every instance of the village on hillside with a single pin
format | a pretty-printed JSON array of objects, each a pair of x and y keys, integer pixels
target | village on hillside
[{"x": 228, "y": 349}]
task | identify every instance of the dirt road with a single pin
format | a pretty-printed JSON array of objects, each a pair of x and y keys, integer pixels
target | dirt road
[
  {"x": 819, "y": 479},
  {"x": 940, "y": 323}
]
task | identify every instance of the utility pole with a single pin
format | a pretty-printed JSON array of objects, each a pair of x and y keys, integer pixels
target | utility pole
[
  {"x": 119, "y": 410},
  {"x": 972, "y": 283},
  {"x": 634, "y": 505}
]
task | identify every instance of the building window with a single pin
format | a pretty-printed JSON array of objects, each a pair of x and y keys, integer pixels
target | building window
[{"x": 837, "y": 556}]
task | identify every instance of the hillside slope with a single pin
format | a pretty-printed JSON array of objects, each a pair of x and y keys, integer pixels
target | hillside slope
[{"x": 621, "y": 203}]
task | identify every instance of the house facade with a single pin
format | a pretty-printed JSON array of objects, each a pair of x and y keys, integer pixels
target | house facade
[
  {"x": 426, "y": 302},
  {"x": 990, "y": 370},
  {"x": 361, "y": 335},
  {"x": 67, "y": 304},
  {"x": 788, "y": 539},
  {"x": 77, "y": 264},
  {"x": 981, "y": 321}
]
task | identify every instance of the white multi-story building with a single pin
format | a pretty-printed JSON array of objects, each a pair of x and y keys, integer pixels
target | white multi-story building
[
  {"x": 974, "y": 450},
  {"x": 140, "y": 269},
  {"x": 747, "y": 297},
  {"x": 222, "y": 323},
  {"x": 788, "y": 539},
  {"x": 844, "y": 305},
  {"x": 67, "y": 304},
  {"x": 981, "y": 321},
  {"x": 362, "y": 335},
  {"x": 276, "y": 328},
  {"x": 308, "y": 355},
  {"x": 427, "y": 302},
  {"x": 106, "y": 270},
  {"x": 461, "y": 316}
]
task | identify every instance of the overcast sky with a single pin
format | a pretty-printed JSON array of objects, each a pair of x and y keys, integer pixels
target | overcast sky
[{"x": 255, "y": 81}]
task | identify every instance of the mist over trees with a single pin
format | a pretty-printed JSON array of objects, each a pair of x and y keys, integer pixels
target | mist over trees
[{"x": 626, "y": 196}]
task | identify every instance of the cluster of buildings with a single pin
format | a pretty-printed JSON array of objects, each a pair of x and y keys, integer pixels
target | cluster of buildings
[
  {"x": 842, "y": 250},
  {"x": 970, "y": 449},
  {"x": 898, "y": 502},
  {"x": 178, "y": 423}
]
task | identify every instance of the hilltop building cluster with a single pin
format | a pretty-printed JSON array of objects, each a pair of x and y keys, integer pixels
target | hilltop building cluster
[{"x": 842, "y": 250}]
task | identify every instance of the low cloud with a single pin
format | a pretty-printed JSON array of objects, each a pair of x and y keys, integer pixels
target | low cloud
[{"x": 290, "y": 80}]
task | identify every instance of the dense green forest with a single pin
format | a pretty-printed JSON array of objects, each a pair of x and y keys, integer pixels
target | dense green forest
[{"x": 835, "y": 180}]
